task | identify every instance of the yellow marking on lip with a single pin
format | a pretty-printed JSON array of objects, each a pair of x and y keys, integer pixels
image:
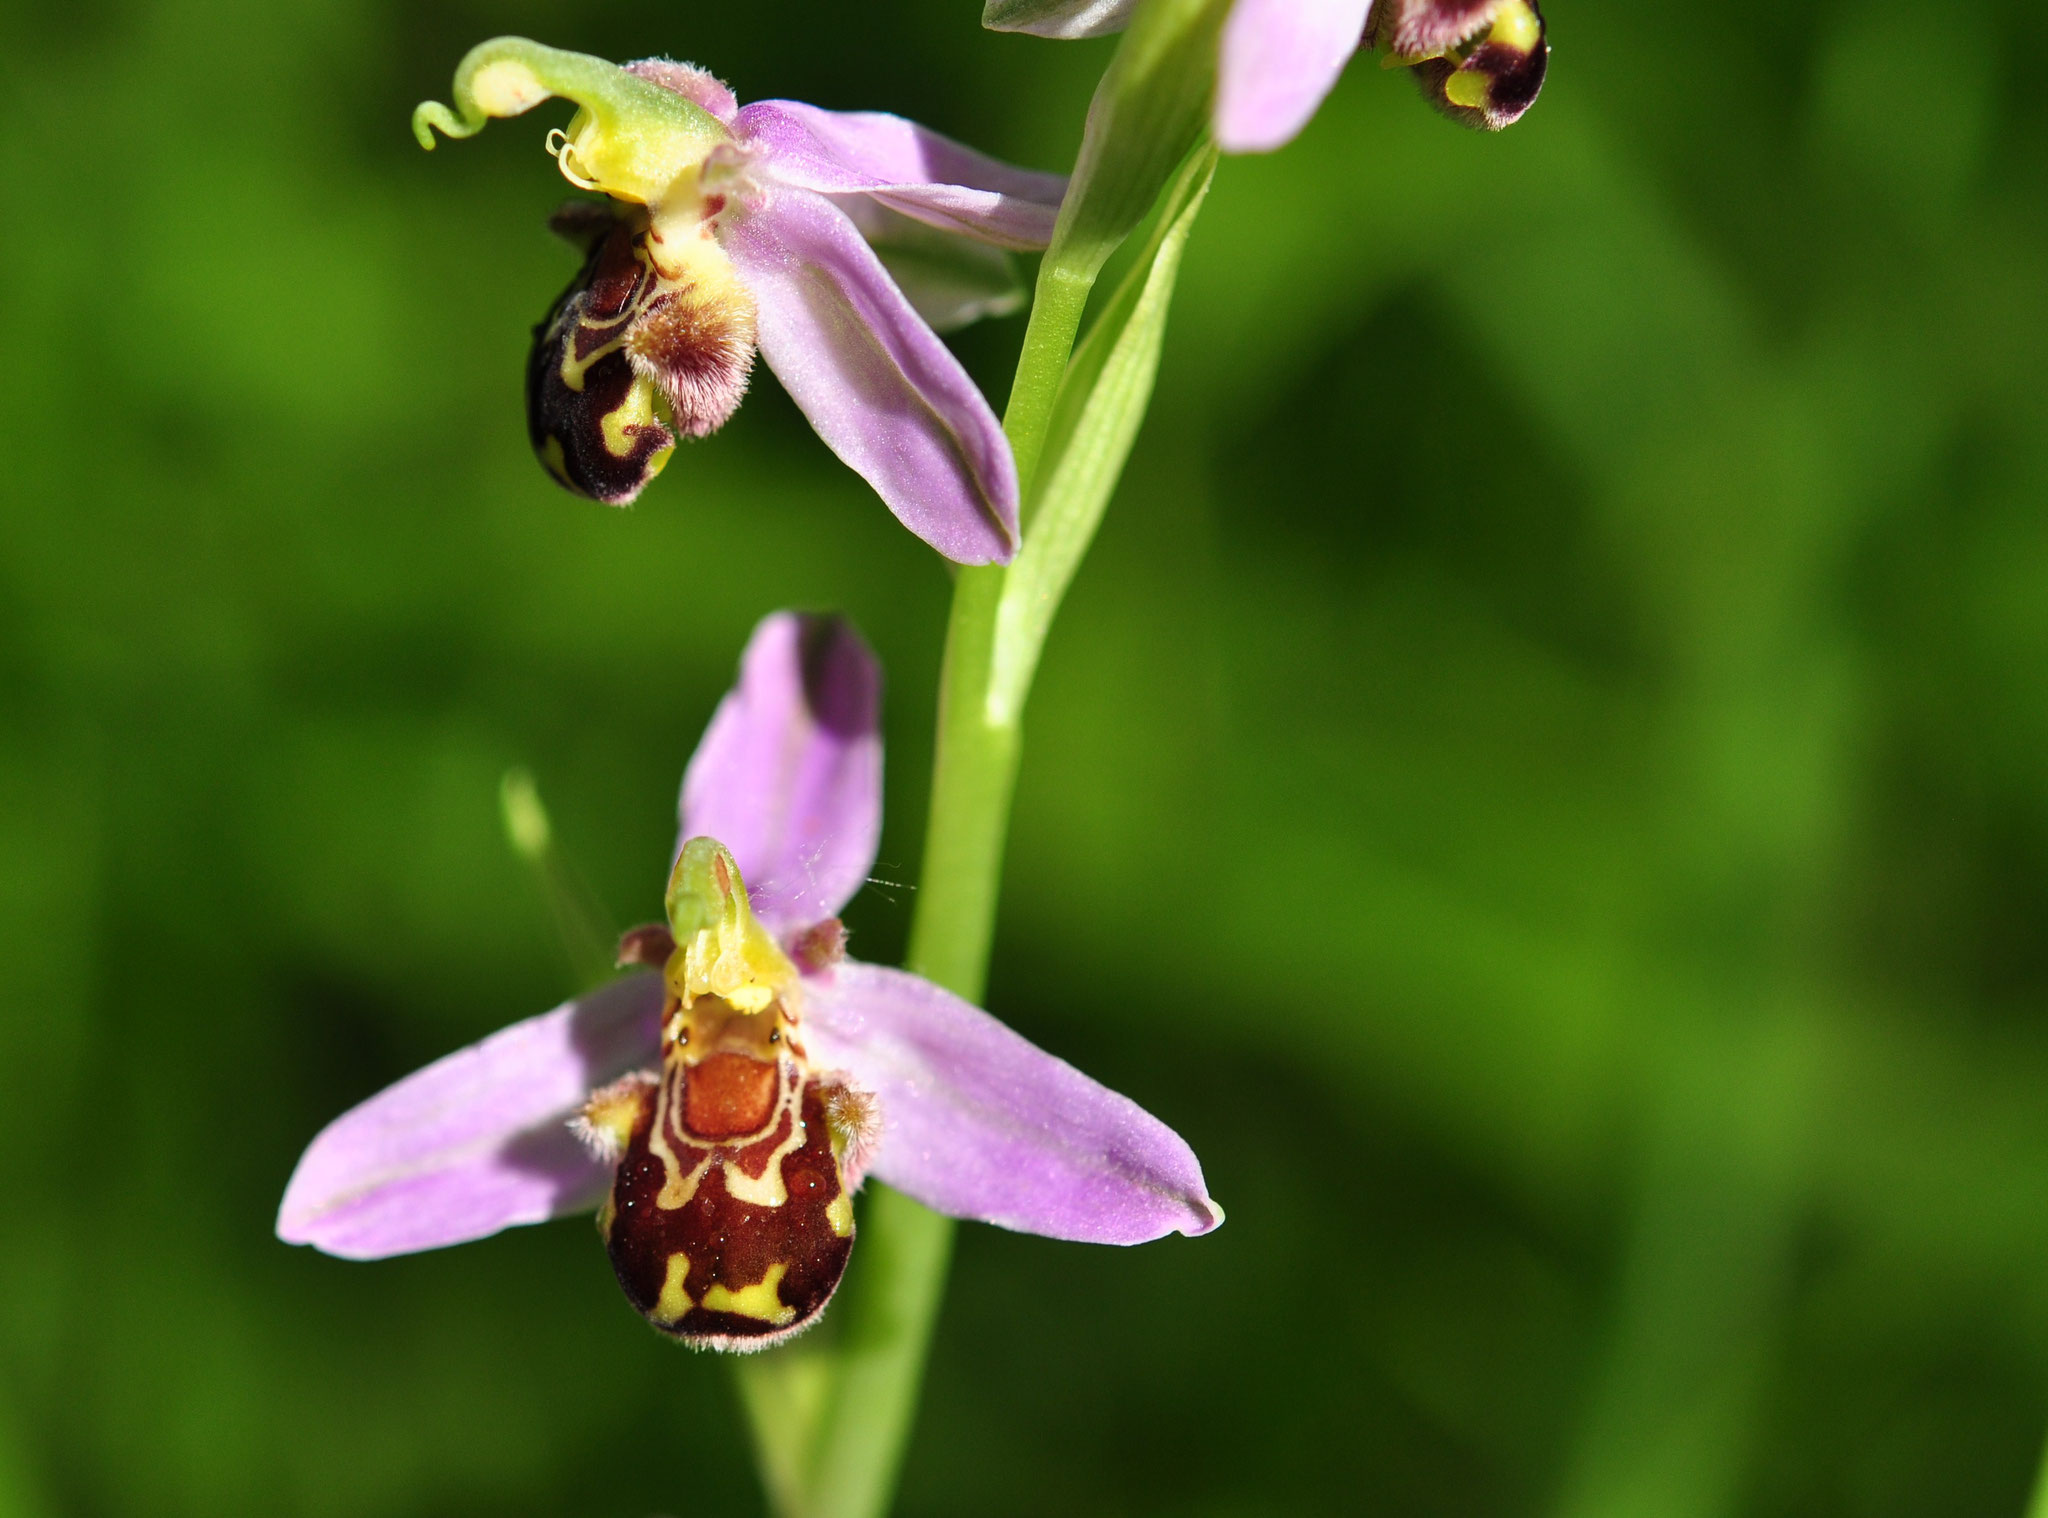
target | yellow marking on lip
[
  {"x": 552, "y": 460},
  {"x": 768, "y": 1189},
  {"x": 678, "y": 1186},
  {"x": 757, "y": 1301},
  {"x": 1468, "y": 87},
  {"x": 673, "y": 1302},
  {"x": 1517, "y": 28},
  {"x": 839, "y": 1213},
  {"x": 576, "y": 370},
  {"x": 635, "y": 411},
  {"x": 613, "y": 1113}
]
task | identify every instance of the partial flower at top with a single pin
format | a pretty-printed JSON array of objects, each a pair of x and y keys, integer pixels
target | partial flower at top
[
  {"x": 773, "y": 227},
  {"x": 719, "y": 1106},
  {"x": 1480, "y": 61}
]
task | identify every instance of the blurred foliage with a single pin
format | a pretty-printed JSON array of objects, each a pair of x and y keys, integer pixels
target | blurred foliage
[{"x": 1541, "y": 780}]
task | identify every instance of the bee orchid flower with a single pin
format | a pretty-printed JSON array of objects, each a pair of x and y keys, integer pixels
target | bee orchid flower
[
  {"x": 1480, "y": 61},
  {"x": 729, "y": 230},
  {"x": 719, "y": 1104}
]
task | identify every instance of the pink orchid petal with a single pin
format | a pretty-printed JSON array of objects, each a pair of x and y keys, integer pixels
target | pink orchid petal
[
  {"x": 876, "y": 383},
  {"x": 475, "y": 1142},
  {"x": 1280, "y": 59},
  {"x": 980, "y": 1123},
  {"x": 789, "y": 773},
  {"x": 905, "y": 166}
]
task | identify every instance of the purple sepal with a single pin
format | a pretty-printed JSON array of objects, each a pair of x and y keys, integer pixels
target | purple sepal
[
  {"x": 475, "y": 1142},
  {"x": 789, "y": 773},
  {"x": 876, "y": 383},
  {"x": 1280, "y": 58},
  {"x": 980, "y": 1123},
  {"x": 698, "y": 86},
  {"x": 909, "y": 167}
]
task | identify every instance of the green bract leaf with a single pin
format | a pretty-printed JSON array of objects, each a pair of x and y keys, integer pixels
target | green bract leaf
[
  {"x": 1095, "y": 420},
  {"x": 1149, "y": 111}
]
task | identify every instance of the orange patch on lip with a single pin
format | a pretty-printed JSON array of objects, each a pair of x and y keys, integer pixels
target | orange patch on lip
[{"x": 728, "y": 1095}]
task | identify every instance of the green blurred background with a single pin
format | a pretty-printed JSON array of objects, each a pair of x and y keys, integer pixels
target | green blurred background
[{"x": 1540, "y": 780}]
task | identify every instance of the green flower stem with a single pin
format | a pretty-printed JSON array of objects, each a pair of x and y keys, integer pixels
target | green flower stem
[
  {"x": 1056, "y": 306},
  {"x": 973, "y": 777},
  {"x": 1081, "y": 408},
  {"x": 2037, "y": 1505},
  {"x": 831, "y": 1418},
  {"x": 831, "y": 1421},
  {"x": 891, "y": 1297}
]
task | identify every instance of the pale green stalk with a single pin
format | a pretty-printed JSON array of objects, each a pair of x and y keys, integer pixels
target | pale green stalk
[
  {"x": 2037, "y": 1505},
  {"x": 831, "y": 1419}
]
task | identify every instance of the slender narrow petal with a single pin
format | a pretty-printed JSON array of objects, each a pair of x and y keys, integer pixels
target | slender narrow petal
[
  {"x": 880, "y": 388},
  {"x": 789, "y": 774},
  {"x": 475, "y": 1142},
  {"x": 1058, "y": 18},
  {"x": 903, "y": 165},
  {"x": 1280, "y": 59},
  {"x": 952, "y": 280},
  {"x": 980, "y": 1123}
]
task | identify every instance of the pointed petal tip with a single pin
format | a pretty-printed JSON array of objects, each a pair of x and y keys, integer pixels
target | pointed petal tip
[
  {"x": 292, "y": 1226},
  {"x": 875, "y": 381},
  {"x": 1240, "y": 139},
  {"x": 979, "y": 1123},
  {"x": 986, "y": 548}
]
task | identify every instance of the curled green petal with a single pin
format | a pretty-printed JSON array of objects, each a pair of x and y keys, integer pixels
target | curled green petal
[{"x": 630, "y": 138}]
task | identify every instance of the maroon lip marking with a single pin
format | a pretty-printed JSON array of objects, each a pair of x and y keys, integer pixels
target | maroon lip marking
[
  {"x": 728, "y": 1096},
  {"x": 718, "y": 1240},
  {"x": 567, "y": 426}
]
